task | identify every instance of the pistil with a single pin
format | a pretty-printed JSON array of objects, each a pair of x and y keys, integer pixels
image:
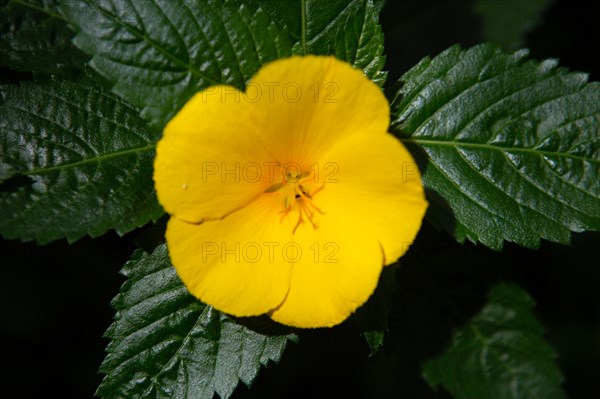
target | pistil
[{"x": 300, "y": 198}]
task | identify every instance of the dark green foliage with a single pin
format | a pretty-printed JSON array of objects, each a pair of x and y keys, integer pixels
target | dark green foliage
[
  {"x": 348, "y": 29},
  {"x": 500, "y": 353},
  {"x": 512, "y": 145},
  {"x": 166, "y": 344},
  {"x": 372, "y": 317},
  {"x": 35, "y": 37},
  {"x": 158, "y": 53},
  {"x": 74, "y": 160},
  {"x": 509, "y": 150},
  {"x": 506, "y": 22}
]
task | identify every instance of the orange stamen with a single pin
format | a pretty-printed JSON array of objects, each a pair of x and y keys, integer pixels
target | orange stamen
[{"x": 300, "y": 198}]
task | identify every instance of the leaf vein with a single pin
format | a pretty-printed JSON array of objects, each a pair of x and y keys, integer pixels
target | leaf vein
[
  {"x": 331, "y": 23},
  {"x": 502, "y": 99},
  {"x": 184, "y": 341},
  {"x": 153, "y": 43},
  {"x": 542, "y": 191},
  {"x": 503, "y": 192},
  {"x": 467, "y": 144}
]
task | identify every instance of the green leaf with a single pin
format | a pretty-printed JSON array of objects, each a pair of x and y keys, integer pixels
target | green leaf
[
  {"x": 34, "y": 37},
  {"x": 512, "y": 146},
  {"x": 158, "y": 53},
  {"x": 372, "y": 317},
  {"x": 74, "y": 160},
  {"x": 506, "y": 22},
  {"x": 500, "y": 353},
  {"x": 348, "y": 29},
  {"x": 166, "y": 344}
]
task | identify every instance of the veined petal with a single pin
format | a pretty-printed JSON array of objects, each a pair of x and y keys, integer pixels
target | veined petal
[
  {"x": 306, "y": 104},
  {"x": 378, "y": 185},
  {"x": 235, "y": 264},
  {"x": 337, "y": 272},
  {"x": 210, "y": 162}
]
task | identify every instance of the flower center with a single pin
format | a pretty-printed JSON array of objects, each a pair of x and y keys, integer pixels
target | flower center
[{"x": 298, "y": 191}]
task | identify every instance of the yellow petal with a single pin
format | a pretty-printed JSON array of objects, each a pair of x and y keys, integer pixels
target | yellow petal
[
  {"x": 336, "y": 273},
  {"x": 374, "y": 181},
  {"x": 373, "y": 204},
  {"x": 306, "y": 104},
  {"x": 234, "y": 264},
  {"x": 210, "y": 160},
  {"x": 314, "y": 264}
]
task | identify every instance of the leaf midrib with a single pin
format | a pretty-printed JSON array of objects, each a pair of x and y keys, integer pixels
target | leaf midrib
[
  {"x": 188, "y": 336},
  {"x": 490, "y": 147},
  {"x": 494, "y": 352},
  {"x": 92, "y": 160},
  {"x": 303, "y": 25}
]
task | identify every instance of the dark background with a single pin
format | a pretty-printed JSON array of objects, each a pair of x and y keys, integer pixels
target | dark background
[{"x": 55, "y": 298}]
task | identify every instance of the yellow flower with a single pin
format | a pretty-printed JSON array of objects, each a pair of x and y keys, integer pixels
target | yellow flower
[{"x": 287, "y": 199}]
